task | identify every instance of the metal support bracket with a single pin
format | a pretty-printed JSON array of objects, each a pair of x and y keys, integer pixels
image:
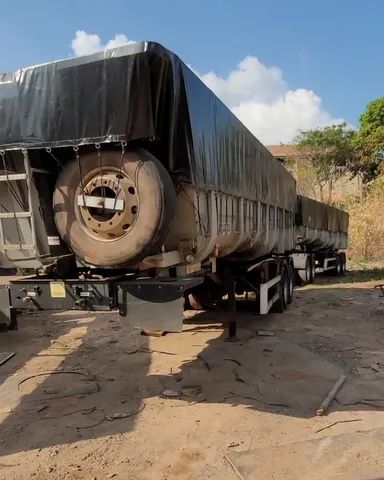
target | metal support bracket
[
  {"x": 328, "y": 267},
  {"x": 232, "y": 321},
  {"x": 100, "y": 202},
  {"x": 265, "y": 304}
]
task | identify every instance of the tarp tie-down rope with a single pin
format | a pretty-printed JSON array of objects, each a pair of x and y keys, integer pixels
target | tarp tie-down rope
[
  {"x": 102, "y": 189},
  {"x": 123, "y": 146},
  {"x": 77, "y": 156}
]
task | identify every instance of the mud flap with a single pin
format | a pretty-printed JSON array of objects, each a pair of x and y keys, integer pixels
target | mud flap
[{"x": 156, "y": 303}]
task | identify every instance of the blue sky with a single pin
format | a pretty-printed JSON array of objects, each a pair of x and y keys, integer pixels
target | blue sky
[{"x": 331, "y": 48}]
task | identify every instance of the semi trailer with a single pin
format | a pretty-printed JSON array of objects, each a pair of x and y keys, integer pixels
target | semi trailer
[
  {"x": 126, "y": 183},
  {"x": 321, "y": 239}
]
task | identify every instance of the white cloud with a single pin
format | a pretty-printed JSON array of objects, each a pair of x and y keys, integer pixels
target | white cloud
[
  {"x": 86, "y": 43},
  {"x": 260, "y": 98},
  {"x": 250, "y": 80},
  {"x": 256, "y": 93},
  {"x": 119, "y": 40}
]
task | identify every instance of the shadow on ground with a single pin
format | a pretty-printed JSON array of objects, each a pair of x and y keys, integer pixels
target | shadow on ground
[
  {"x": 287, "y": 370},
  {"x": 91, "y": 375},
  {"x": 352, "y": 276}
]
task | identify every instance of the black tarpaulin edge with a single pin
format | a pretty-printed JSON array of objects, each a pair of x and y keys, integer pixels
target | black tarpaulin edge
[
  {"x": 314, "y": 214},
  {"x": 137, "y": 93}
]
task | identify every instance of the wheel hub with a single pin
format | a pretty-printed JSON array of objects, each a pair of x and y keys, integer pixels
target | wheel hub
[{"x": 109, "y": 206}]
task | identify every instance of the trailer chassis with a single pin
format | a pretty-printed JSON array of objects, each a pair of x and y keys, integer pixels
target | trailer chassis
[
  {"x": 307, "y": 262},
  {"x": 147, "y": 300}
]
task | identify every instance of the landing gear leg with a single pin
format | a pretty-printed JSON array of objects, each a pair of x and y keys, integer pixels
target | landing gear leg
[{"x": 232, "y": 322}]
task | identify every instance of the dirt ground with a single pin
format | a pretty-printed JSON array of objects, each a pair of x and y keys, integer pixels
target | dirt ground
[{"x": 83, "y": 396}]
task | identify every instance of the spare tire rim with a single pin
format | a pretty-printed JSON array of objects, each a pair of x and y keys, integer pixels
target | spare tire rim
[{"x": 108, "y": 207}]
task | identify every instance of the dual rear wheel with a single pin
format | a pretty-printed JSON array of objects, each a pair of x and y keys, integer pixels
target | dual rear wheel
[
  {"x": 308, "y": 274},
  {"x": 206, "y": 296},
  {"x": 340, "y": 265},
  {"x": 284, "y": 289}
]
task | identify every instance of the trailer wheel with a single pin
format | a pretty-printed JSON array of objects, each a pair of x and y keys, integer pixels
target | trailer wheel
[
  {"x": 203, "y": 297},
  {"x": 136, "y": 203},
  {"x": 305, "y": 275},
  {"x": 343, "y": 263},
  {"x": 338, "y": 270},
  {"x": 291, "y": 278},
  {"x": 194, "y": 301},
  {"x": 313, "y": 269}
]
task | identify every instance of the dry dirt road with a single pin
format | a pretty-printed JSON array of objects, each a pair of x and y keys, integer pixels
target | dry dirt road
[{"x": 83, "y": 396}]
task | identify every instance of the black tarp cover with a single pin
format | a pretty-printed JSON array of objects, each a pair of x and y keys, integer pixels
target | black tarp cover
[
  {"x": 314, "y": 214},
  {"x": 141, "y": 93}
]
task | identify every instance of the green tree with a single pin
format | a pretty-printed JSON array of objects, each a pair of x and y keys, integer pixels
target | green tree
[
  {"x": 328, "y": 152},
  {"x": 369, "y": 142}
]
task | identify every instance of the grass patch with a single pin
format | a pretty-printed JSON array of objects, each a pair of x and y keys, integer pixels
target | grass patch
[{"x": 354, "y": 276}]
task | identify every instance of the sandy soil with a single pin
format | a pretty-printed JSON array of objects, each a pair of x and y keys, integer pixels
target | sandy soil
[{"x": 96, "y": 409}]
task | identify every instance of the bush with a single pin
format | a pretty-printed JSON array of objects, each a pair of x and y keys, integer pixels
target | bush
[{"x": 366, "y": 229}]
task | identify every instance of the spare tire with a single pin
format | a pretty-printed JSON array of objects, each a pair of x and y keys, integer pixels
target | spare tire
[{"x": 116, "y": 214}]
